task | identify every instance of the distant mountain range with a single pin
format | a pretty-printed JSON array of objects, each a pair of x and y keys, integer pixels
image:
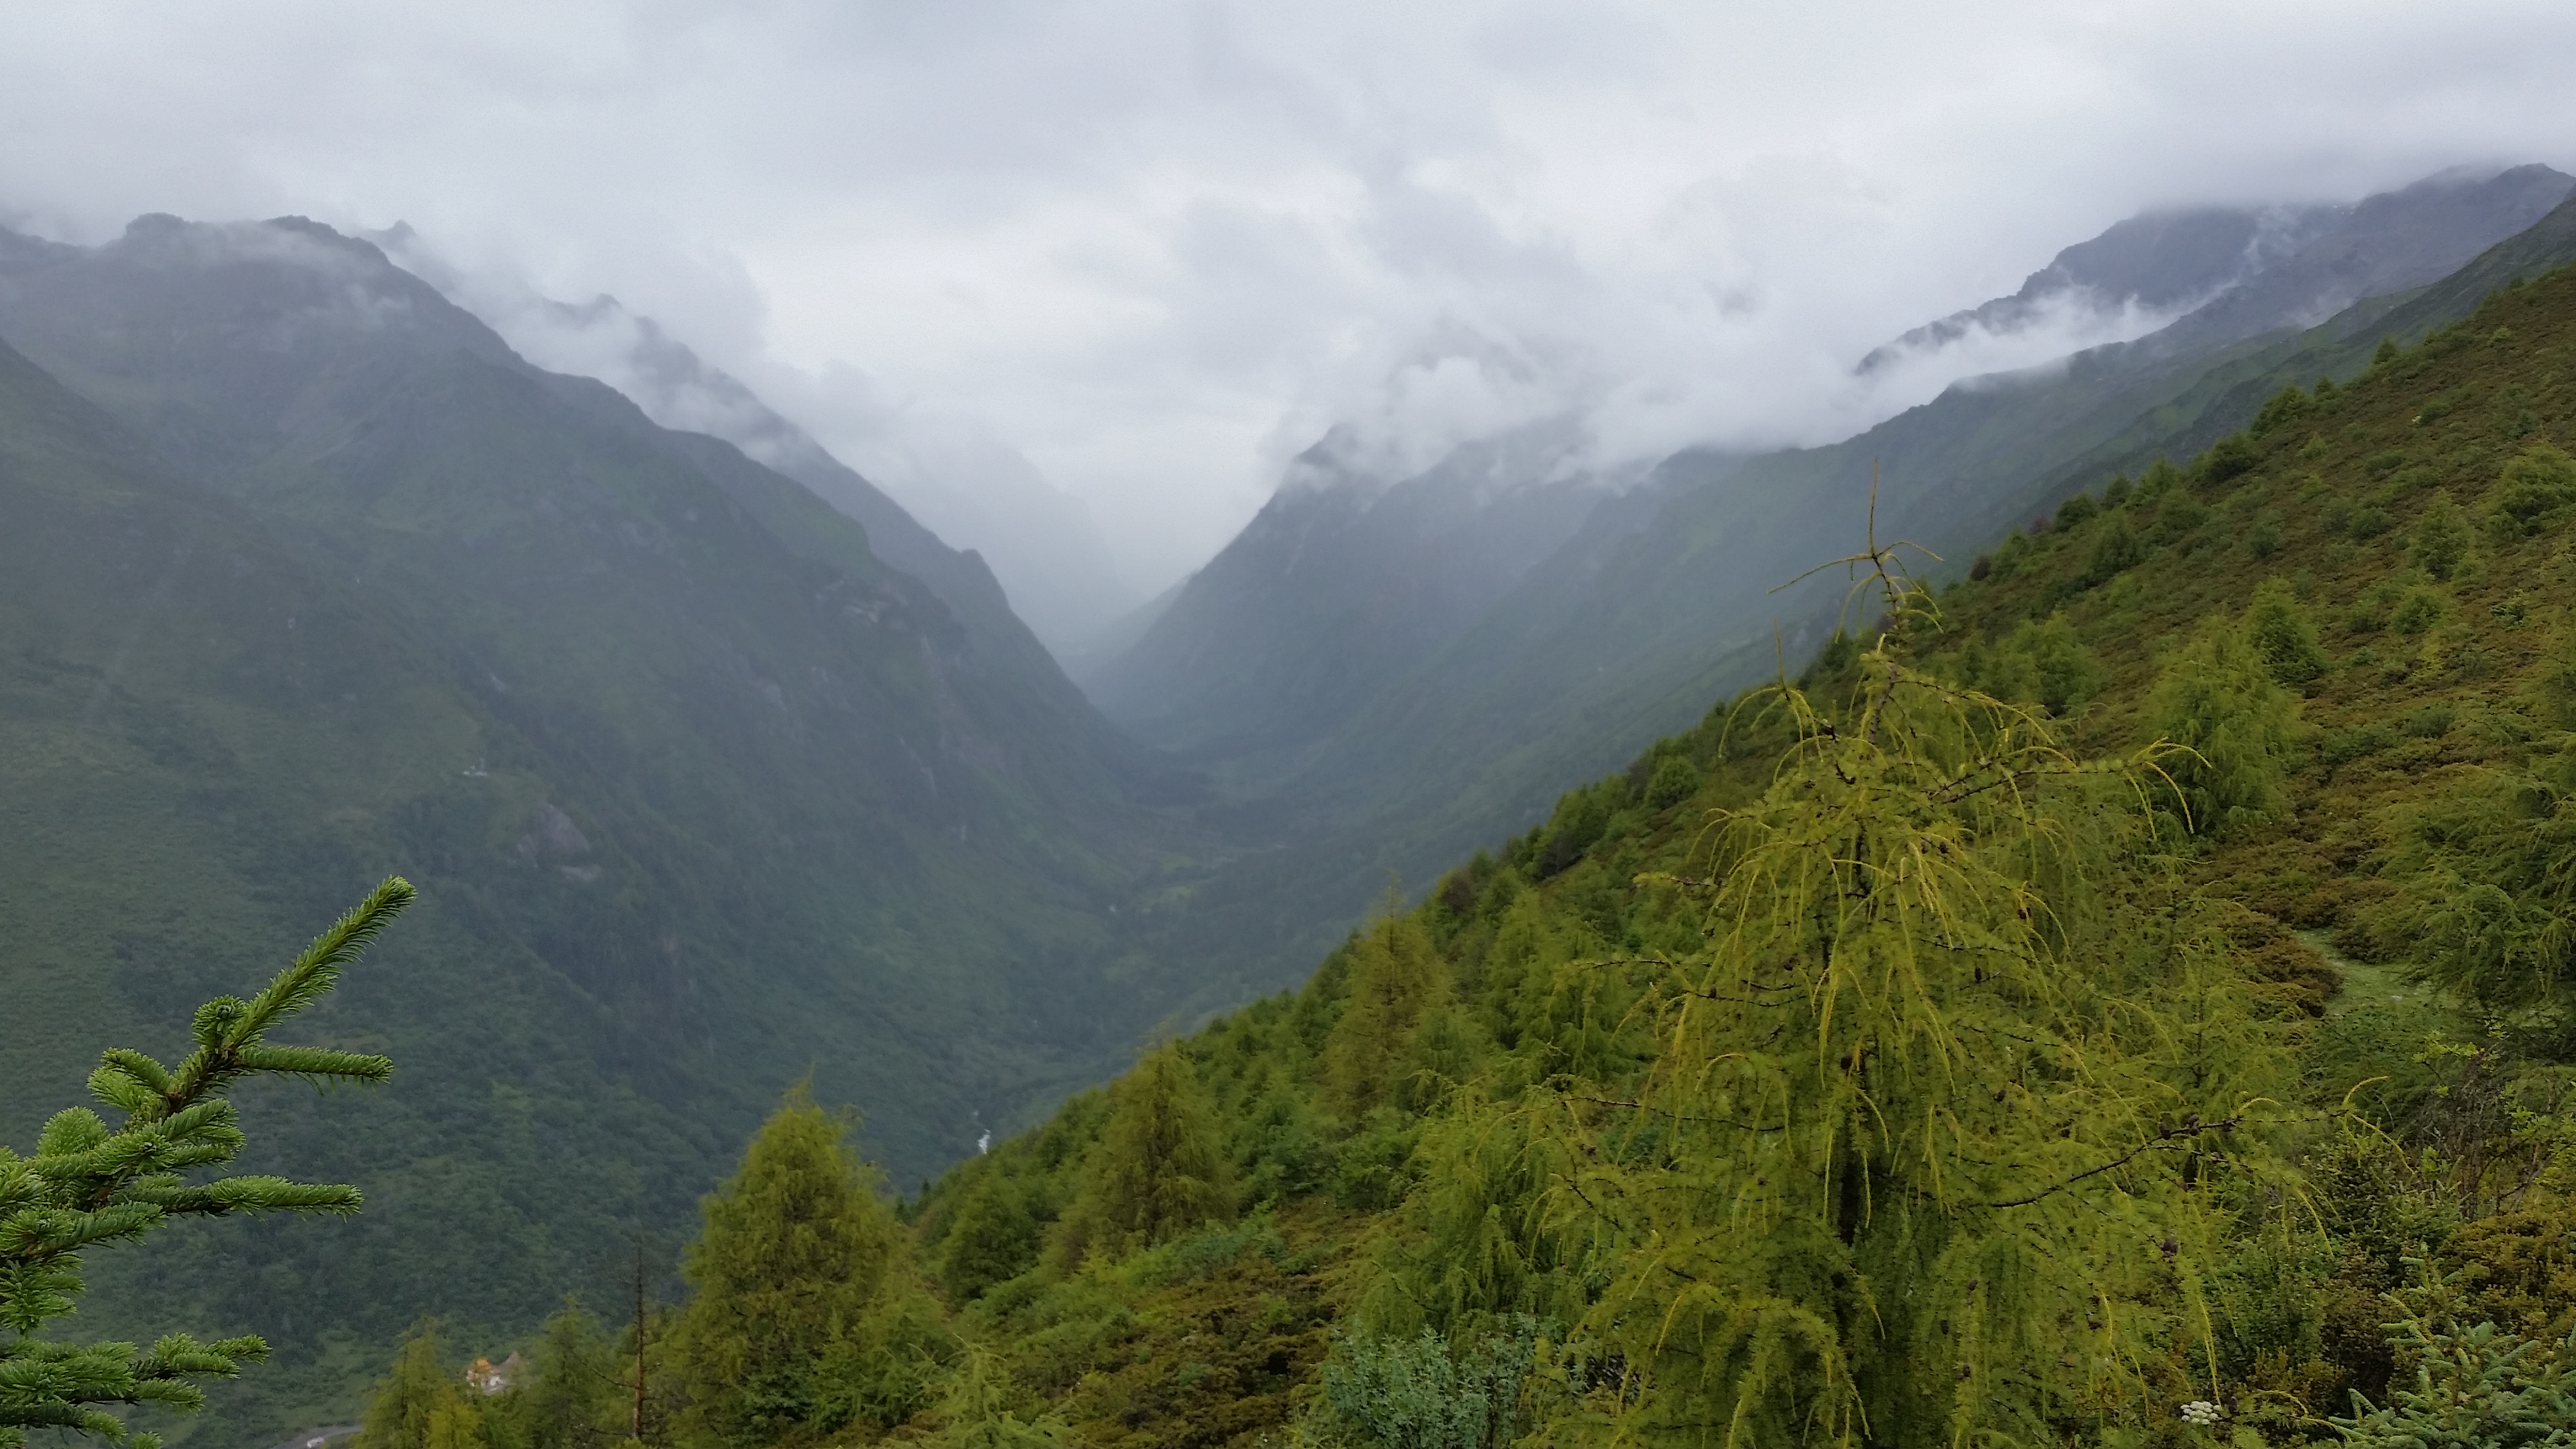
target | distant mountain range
[{"x": 1456, "y": 720}]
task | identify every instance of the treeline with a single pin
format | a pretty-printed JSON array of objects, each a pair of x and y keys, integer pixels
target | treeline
[{"x": 2122, "y": 1001}]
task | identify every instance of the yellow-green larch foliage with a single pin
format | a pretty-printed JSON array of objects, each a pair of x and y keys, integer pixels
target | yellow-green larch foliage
[
  {"x": 980, "y": 1411},
  {"x": 1924, "y": 1152},
  {"x": 803, "y": 1315},
  {"x": 1159, "y": 1169},
  {"x": 420, "y": 1403},
  {"x": 1396, "y": 978},
  {"x": 2217, "y": 699}
]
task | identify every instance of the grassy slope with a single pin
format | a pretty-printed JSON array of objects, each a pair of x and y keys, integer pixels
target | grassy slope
[{"x": 1204, "y": 1342}]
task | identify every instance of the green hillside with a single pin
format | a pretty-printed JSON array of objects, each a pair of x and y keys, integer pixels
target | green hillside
[
  {"x": 2151, "y": 1070},
  {"x": 309, "y": 581}
]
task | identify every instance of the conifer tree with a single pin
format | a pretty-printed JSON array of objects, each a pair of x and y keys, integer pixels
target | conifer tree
[
  {"x": 2216, "y": 699},
  {"x": 1396, "y": 979},
  {"x": 420, "y": 1403},
  {"x": 803, "y": 1317},
  {"x": 1159, "y": 1170},
  {"x": 576, "y": 1393},
  {"x": 2280, "y": 629},
  {"x": 88, "y": 1185},
  {"x": 2476, "y": 1386},
  {"x": 995, "y": 1237},
  {"x": 978, "y": 1413},
  {"x": 1923, "y": 1149}
]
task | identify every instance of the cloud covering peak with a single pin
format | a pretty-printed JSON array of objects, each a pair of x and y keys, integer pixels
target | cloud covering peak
[{"x": 1157, "y": 248}]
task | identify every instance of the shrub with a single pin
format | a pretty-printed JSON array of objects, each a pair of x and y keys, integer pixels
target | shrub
[
  {"x": 2041, "y": 662},
  {"x": 1674, "y": 780},
  {"x": 2422, "y": 607},
  {"x": 2116, "y": 550},
  {"x": 1424, "y": 1393},
  {"x": 2076, "y": 511},
  {"x": 2283, "y": 633},
  {"x": 2285, "y": 406},
  {"x": 2535, "y": 485},
  {"x": 2230, "y": 458},
  {"x": 2441, "y": 538}
]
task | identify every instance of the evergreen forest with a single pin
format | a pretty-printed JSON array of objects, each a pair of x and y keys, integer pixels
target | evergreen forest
[{"x": 2116, "y": 993}]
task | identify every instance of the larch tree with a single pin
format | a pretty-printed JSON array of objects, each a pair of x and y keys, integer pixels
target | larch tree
[
  {"x": 1160, "y": 1169},
  {"x": 419, "y": 1403},
  {"x": 1396, "y": 979},
  {"x": 88, "y": 1185},
  {"x": 2217, "y": 700},
  {"x": 804, "y": 1316},
  {"x": 1925, "y": 1149}
]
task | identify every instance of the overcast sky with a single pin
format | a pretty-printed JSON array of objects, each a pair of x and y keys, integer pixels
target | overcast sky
[{"x": 1158, "y": 246}]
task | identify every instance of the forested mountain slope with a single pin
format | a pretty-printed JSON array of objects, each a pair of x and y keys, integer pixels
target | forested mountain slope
[
  {"x": 2071, "y": 1013},
  {"x": 1666, "y": 597},
  {"x": 314, "y": 581}
]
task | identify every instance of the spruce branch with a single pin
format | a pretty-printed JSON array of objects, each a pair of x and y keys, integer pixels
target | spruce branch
[{"x": 87, "y": 1185}]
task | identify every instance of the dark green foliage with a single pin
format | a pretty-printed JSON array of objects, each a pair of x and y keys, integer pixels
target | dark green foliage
[
  {"x": 2040, "y": 662},
  {"x": 87, "y": 1186},
  {"x": 2264, "y": 539},
  {"x": 2285, "y": 406},
  {"x": 2441, "y": 538},
  {"x": 2418, "y": 610},
  {"x": 2534, "y": 489},
  {"x": 2475, "y": 1386},
  {"x": 2230, "y": 459},
  {"x": 2492, "y": 890},
  {"x": 1675, "y": 779},
  {"x": 994, "y": 1237},
  {"x": 2115, "y": 551},
  {"x": 2282, "y": 632},
  {"x": 2077, "y": 511},
  {"x": 1424, "y": 1392}
]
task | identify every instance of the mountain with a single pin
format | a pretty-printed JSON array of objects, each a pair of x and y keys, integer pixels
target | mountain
[
  {"x": 1663, "y": 596},
  {"x": 2161, "y": 263},
  {"x": 1023, "y": 535},
  {"x": 1336, "y": 589},
  {"x": 312, "y": 579}
]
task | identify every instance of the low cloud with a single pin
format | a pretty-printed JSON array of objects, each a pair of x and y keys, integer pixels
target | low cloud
[{"x": 1155, "y": 248}]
